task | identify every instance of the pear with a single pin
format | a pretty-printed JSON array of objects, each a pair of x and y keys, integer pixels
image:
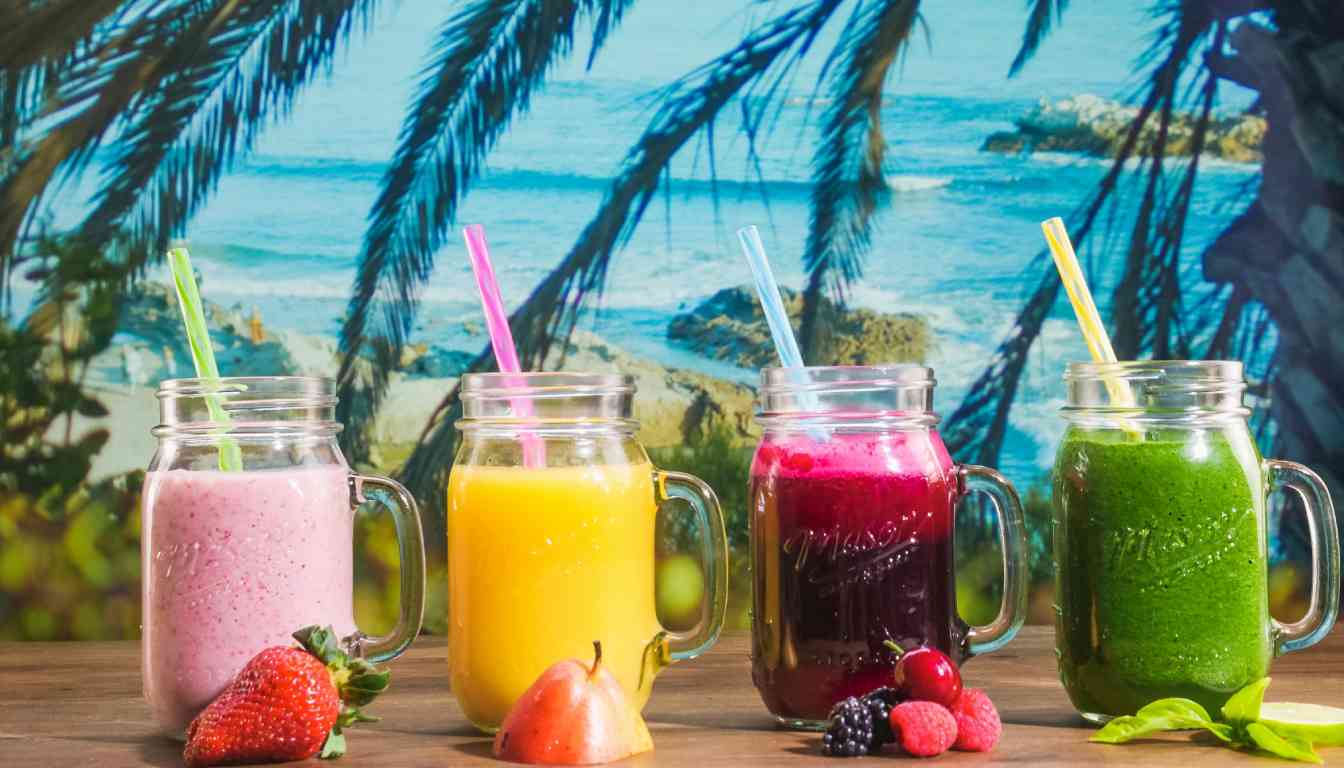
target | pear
[{"x": 573, "y": 715}]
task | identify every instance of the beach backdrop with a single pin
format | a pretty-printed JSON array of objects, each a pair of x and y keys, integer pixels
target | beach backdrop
[{"x": 953, "y": 258}]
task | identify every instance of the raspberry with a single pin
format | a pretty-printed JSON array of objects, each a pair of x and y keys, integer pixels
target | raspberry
[
  {"x": 978, "y": 726},
  {"x": 923, "y": 728}
]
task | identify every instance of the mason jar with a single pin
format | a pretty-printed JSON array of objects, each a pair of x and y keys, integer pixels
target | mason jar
[
  {"x": 1160, "y": 539},
  {"x": 248, "y": 529},
  {"x": 852, "y": 519},
  {"x": 552, "y": 509}
]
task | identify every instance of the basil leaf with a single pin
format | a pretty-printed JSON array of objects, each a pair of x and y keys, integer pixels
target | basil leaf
[
  {"x": 1122, "y": 729},
  {"x": 1244, "y": 706},
  {"x": 1181, "y": 713},
  {"x": 1282, "y": 745},
  {"x": 1223, "y": 731},
  {"x": 1162, "y": 715}
]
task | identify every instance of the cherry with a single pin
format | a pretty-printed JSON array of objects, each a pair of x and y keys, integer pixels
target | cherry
[{"x": 926, "y": 674}]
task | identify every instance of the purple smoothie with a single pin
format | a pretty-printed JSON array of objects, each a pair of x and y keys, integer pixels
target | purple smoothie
[
  {"x": 852, "y": 547},
  {"x": 232, "y": 563}
]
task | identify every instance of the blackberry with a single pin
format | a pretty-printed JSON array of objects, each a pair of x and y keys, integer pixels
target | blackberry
[
  {"x": 850, "y": 731},
  {"x": 879, "y": 703}
]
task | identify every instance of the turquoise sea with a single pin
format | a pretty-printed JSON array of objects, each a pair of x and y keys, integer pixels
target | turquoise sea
[{"x": 956, "y": 245}]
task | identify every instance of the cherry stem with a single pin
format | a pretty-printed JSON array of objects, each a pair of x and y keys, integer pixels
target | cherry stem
[{"x": 891, "y": 644}]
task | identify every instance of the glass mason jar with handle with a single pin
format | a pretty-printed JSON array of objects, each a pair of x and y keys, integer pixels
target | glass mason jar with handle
[
  {"x": 852, "y": 504},
  {"x": 1160, "y": 539},
  {"x": 233, "y": 562},
  {"x": 552, "y": 507}
]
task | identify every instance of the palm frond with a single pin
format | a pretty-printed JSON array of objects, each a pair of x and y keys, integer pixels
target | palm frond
[
  {"x": 224, "y": 91},
  {"x": 33, "y": 32},
  {"x": 489, "y": 60},
  {"x": 976, "y": 430},
  {"x": 848, "y": 183},
  {"x": 1043, "y": 16},
  {"x": 685, "y": 108},
  {"x": 102, "y": 86},
  {"x": 1153, "y": 255}
]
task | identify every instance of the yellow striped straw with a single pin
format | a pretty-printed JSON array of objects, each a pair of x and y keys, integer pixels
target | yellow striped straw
[{"x": 1089, "y": 320}]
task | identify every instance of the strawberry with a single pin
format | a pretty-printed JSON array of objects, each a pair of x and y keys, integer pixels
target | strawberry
[{"x": 286, "y": 704}]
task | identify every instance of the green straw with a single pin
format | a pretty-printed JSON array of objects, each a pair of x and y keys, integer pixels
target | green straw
[{"x": 202, "y": 353}]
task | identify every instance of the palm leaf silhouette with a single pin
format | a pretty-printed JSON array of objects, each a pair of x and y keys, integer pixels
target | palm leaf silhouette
[
  {"x": 35, "y": 32},
  {"x": 96, "y": 90},
  {"x": 976, "y": 430},
  {"x": 848, "y": 183},
  {"x": 189, "y": 132},
  {"x": 685, "y": 108},
  {"x": 1042, "y": 17},
  {"x": 490, "y": 59},
  {"x": 187, "y": 85}
]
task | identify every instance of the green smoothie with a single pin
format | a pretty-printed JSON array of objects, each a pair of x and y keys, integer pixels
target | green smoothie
[{"x": 1160, "y": 567}]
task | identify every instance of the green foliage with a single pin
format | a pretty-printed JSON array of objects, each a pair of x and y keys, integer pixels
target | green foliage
[
  {"x": 43, "y": 362},
  {"x": 69, "y": 550},
  {"x": 70, "y": 568},
  {"x": 720, "y": 460}
]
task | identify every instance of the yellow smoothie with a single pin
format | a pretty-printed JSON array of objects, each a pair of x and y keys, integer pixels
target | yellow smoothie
[{"x": 542, "y": 562}]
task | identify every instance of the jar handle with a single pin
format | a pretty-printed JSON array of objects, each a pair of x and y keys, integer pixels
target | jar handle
[
  {"x": 671, "y": 646},
  {"x": 1013, "y": 541},
  {"x": 411, "y": 549},
  {"x": 1320, "y": 617}
]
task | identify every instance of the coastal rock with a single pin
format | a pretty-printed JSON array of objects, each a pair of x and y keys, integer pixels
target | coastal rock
[
  {"x": 436, "y": 362},
  {"x": 730, "y": 326},
  {"x": 1091, "y": 125},
  {"x": 674, "y": 406},
  {"x": 151, "y": 345}
]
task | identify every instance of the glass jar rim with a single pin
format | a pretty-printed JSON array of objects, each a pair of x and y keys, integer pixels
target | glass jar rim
[
  {"x": 259, "y": 406},
  {"x": 547, "y": 403},
  {"x": 542, "y": 384},
  {"x": 1162, "y": 393},
  {"x": 847, "y": 397},
  {"x": 1188, "y": 370},
  {"x": 315, "y": 386},
  {"x": 821, "y": 377}
]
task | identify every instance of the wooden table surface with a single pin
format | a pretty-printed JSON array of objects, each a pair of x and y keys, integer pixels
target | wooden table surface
[{"x": 79, "y": 704}]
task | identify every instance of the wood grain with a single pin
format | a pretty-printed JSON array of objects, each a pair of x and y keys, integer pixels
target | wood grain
[{"x": 79, "y": 704}]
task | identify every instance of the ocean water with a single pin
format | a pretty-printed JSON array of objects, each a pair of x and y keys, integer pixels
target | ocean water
[{"x": 957, "y": 244}]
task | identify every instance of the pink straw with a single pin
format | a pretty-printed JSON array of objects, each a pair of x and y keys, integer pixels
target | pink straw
[{"x": 501, "y": 338}]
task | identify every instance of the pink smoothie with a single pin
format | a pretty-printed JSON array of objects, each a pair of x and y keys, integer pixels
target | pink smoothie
[{"x": 233, "y": 562}]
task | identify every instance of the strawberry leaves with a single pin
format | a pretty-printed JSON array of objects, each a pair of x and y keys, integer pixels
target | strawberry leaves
[
  {"x": 357, "y": 681},
  {"x": 1241, "y": 726}
]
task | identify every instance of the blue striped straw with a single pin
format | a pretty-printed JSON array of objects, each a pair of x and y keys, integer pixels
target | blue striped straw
[{"x": 767, "y": 290}]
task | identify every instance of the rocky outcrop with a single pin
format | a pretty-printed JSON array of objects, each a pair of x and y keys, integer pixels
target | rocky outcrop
[
  {"x": 434, "y": 362},
  {"x": 1095, "y": 126},
  {"x": 674, "y": 406},
  {"x": 151, "y": 345},
  {"x": 730, "y": 326}
]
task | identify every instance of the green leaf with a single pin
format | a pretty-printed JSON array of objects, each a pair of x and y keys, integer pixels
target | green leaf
[
  {"x": 1223, "y": 731},
  {"x": 1244, "y": 706},
  {"x": 1177, "y": 711},
  {"x": 1286, "y": 746},
  {"x": 1162, "y": 715},
  {"x": 334, "y": 746}
]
